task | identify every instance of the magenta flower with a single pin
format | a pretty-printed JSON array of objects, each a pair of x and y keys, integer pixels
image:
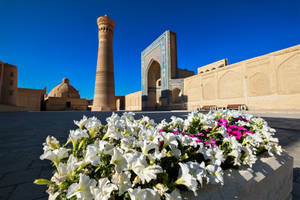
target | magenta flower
[
  {"x": 213, "y": 141},
  {"x": 198, "y": 141},
  {"x": 248, "y": 132},
  {"x": 233, "y": 126},
  {"x": 241, "y": 128},
  {"x": 222, "y": 122},
  {"x": 175, "y": 131},
  {"x": 160, "y": 131},
  {"x": 207, "y": 143},
  {"x": 200, "y": 134},
  {"x": 238, "y": 135}
]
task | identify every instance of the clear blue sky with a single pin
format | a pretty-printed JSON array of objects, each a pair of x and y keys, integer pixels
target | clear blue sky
[{"x": 52, "y": 39}]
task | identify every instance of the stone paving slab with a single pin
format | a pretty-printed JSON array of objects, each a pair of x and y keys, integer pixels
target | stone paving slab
[{"x": 22, "y": 135}]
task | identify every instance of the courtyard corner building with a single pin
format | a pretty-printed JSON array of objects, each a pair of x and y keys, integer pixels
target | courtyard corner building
[{"x": 104, "y": 97}]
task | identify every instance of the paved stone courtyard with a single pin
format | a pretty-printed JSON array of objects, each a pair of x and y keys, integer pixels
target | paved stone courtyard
[{"x": 22, "y": 135}]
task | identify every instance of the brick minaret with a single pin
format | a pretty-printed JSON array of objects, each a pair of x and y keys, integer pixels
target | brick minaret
[{"x": 104, "y": 97}]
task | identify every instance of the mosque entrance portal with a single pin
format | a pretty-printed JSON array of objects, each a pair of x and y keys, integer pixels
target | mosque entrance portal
[{"x": 154, "y": 86}]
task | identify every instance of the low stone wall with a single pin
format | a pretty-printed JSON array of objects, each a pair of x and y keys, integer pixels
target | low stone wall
[
  {"x": 270, "y": 178},
  {"x": 9, "y": 108}
]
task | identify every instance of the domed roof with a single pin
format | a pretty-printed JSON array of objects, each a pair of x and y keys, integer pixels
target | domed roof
[{"x": 64, "y": 90}]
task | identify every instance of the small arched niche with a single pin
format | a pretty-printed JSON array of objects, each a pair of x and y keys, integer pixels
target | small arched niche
[{"x": 176, "y": 95}]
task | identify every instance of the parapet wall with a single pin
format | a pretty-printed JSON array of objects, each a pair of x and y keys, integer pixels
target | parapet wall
[
  {"x": 30, "y": 99},
  {"x": 60, "y": 103},
  {"x": 268, "y": 82},
  {"x": 133, "y": 101}
]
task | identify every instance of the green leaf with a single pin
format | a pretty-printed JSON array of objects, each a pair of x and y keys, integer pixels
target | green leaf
[
  {"x": 42, "y": 181},
  {"x": 63, "y": 185},
  {"x": 81, "y": 143}
]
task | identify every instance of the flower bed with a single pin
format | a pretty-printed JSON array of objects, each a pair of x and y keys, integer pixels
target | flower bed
[{"x": 139, "y": 159}]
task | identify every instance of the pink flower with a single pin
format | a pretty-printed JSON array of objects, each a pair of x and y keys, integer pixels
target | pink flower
[
  {"x": 213, "y": 141},
  {"x": 207, "y": 144},
  {"x": 238, "y": 135},
  {"x": 233, "y": 126},
  {"x": 241, "y": 128},
  {"x": 200, "y": 134},
  {"x": 160, "y": 131},
  {"x": 222, "y": 122},
  {"x": 175, "y": 132},
  {"x": 198, "y": 141}
]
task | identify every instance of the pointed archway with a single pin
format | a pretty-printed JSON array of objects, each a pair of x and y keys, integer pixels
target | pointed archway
[{"x": 153, "y": 86}]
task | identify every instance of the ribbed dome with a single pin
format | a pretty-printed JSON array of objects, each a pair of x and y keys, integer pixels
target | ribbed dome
[{"x": 64, "y": 90}]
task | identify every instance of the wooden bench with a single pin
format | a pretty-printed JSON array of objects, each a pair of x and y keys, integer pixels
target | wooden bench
[
  {"x": 209, "y": 107},
  {"x": 236, "y": 107}
]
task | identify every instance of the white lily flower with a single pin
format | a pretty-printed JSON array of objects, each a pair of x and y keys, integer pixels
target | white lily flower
[
  {"x": 161, "y": 189},
  {"x": 170, "y": 140},
  {"x": 236, "y": 149},
  {"x": 185, "y": 140},
  {"x": 51, "y": 143},
  {"x": 61, "y": 175},
  {"x": 105, "y": 147},
  {"x": 77, "y": 134},
  {"x": 236, "y": 153},
  {"x": 53, "y": 196},
  {"x": 122, "y": 180},
  {"x": 103, "y": 190},
  {"x": 91, "y": 155},
  {"x": 175, "y": 195},
  {"x": 82, "y": 189},
  {"x": 134, "y": 157},
  {"x": 93, "y": 125},
  {"x": 56, "y": 155},
  {"x": 115, "y": 127},
  {"x": 177, "y": 123},
  {"x": 215, "y": 174},
  {"x": 113, "y": 132},
  {"x": 72, "y": 165},
  {"x": 146, "y": 122},
  {"x": 146, "y": 146},
  {"x": 146, "y": 173},
  {"x": 82, "y": 122},
  {"x": 276, "y": 148},
  {"x": 128, "y": 143},
  {"x": 118, "y": 160},
  {"x": 197, "y": 170},
  {"x": 143, "y": 194},
  {"x": 185, "y": 178},
  {"x": 160, "y": 154},
  {"x": 249, "y": 157},
  {"x": 215, "y": 155},
  {"x": 65, "y": 171}
]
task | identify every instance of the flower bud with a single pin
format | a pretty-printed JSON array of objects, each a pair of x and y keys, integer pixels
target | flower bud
[{"x": 52, "y": 142}]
